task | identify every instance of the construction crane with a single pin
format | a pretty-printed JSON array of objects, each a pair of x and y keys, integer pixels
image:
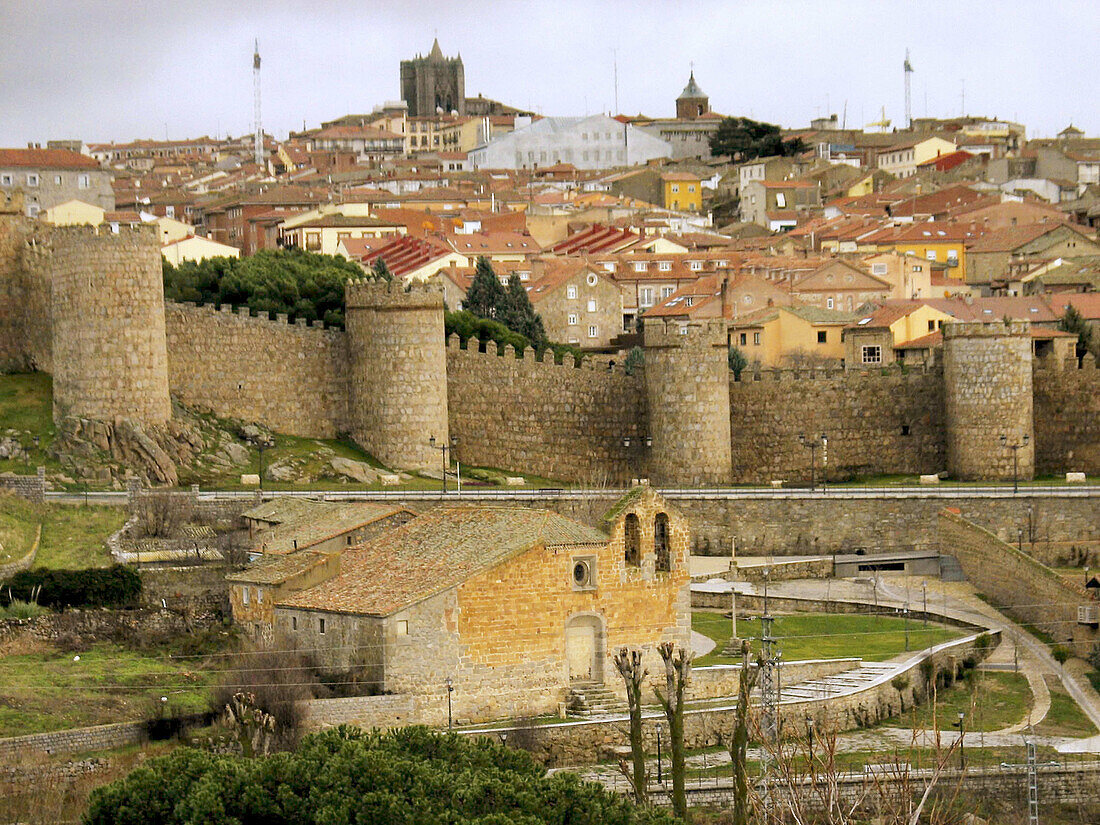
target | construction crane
[
  {"x": 908, "y": 92},
  {"x": 882, "y": 124},
  {"x": 258, "y": 145}
]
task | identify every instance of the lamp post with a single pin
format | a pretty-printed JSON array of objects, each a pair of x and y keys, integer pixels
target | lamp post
[
  {"x": 906, "y": 611},
  {"x": 443, "y": 448},
  {"x": 924, "y": 599},
  {"x": 644, "y": 443},
  {"x": 659, "y": 752},
  {"x": 962, "y": 744},
  {"x": 1015, "y": 447},
  {"x": 813, "y": 444},
  {"x": 450, "y": 690},
  {"x": 810, "y": 738},
  {"x": 261, "y": 442}
]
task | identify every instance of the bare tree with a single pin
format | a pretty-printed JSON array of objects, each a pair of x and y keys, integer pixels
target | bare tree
[
  {"x": 161, "y": 514},
  {"x": 629, "y": 665},
  {"x": 677, "y": 671},
  {"x": 255, "y": 727},
  {"x": 738, "y": 743}
]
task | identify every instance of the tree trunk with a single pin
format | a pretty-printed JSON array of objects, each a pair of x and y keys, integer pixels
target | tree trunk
[
  {"x": 677, "y": 671},
  {"x": 739, "y": 743},
  {"x": 629, "y": 665}
]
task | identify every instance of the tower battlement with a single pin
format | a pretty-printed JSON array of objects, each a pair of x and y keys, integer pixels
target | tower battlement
[
  {"x": 698, "y": 334},
  {"x": 981, "y": 329},
  {"x": 366, "y": 293}
]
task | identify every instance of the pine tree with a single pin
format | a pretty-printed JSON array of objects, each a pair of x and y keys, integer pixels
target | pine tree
[
  {"x": 381, "y": 271},
  {"x": 486, "y": 296},
  {"x": 1074, "y": 322},
  {"x": 520, "y": 315}
]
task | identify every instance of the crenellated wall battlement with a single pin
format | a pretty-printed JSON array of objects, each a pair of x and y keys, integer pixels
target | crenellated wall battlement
[{"x": 368, "y": 293}]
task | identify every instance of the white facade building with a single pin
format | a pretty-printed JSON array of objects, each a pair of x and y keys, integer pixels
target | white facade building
[{"x": 595, "y": 142}]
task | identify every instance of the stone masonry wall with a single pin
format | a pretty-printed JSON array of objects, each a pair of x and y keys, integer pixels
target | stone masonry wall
[
  {"x": 687, "y": 384},
  {"x": 1067, "y": 418},
  {"x": 76, "y": 740},
  {"x": 1025, "y": 589},
  {"x": 291, "y": 378},
  {"x": 109, "y": 357},
  {"x": 25, "y": 309},
  {"x": 397, "y": 364},
  {"x": 987, "y": 374},
  {"x": 877, "y": 422},
  {"x": 553, "y": 420}
]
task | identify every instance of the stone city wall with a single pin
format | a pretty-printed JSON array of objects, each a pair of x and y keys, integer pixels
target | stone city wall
[
  {"x": 552, "y": 420},
  {"x": 13, "y": 232},
  {"x": 877, "y": 422},
  {"x": 1067, "y": 418},
  {"x": 107, "y": 298},
  {"x": 837, "y": 523},
  {"x": 291, "y": 378},
  {"x": 1025, "y": 589}
]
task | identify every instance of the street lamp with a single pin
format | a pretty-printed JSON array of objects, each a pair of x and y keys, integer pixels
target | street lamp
[
  {"x": 443, "y": 448},
  {"x": 450, "y": 690},
  {"x": 924, "y": 598},
  {"x": 813, "y": 444},
  {"x": 659, "y": 752},
  {"x": 644, "y": 443},
  {"x": 261, "y": 442},
  {"x": 1015, "y": 459},
  {"x": 906, "y": 626},
  {"x": 962, "y": 746},
  {"x": 810, "y": 737}
]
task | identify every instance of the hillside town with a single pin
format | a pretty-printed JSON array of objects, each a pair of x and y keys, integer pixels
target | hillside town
[{"x": 449, "y": 461}]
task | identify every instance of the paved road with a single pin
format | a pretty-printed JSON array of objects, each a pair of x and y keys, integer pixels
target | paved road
[{"x": 722, "y": 494}]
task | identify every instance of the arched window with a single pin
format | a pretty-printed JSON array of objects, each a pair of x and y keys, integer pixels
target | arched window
[
  {"x": 661, "y": 543},
  {"x": 632, "y": 539}
]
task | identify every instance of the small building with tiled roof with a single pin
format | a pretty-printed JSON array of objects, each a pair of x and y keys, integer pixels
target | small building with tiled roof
[
  {"x": 502, "y": 610},
  {"x": 992, "y": 257},
  {"x": 791, "y": 336}
]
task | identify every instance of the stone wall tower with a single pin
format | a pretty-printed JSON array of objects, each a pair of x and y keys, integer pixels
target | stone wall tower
[
  {"x": 988, "y": 393},
  {"x": 688, "y": 392},
  {"x": 109, "y": 352},
  {"x": 397, "y": 371}
]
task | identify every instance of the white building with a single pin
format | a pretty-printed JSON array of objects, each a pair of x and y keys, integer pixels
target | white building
[{"x": 595, "y": 142}]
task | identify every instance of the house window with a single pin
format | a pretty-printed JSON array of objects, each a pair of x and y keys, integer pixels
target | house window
[
  {"x": 829, "y": 303},
  {"x": 952, "y": 257},
  {"x": 571, "y": 292},
  {"x": 695, "y": 266},
  {"x": 244, "y": 595},
  {"x": 321, "y": 625},
  {"x": 593, "y": 331},
  {"x": 645, "y": 296},
  {"x": 5, "y": 180},
  {"x": 676, "y": 188},
  {"x": 744, "y": 338},
  {"x": 666, "y": 291},
  {"x": 640, "y": 266},
  {"x": 872, "y": 354},
  {"x": 591, "y": 279},
  {"x": 780, "y": 200},
  {"x": 572, "y": 320},
  {"x": 691, "y": 187},
  {"x": 665, "y": 266},
  {"x": 756, "y": 339},
  {"x": 660, "y": 544},
  {"x": 293, "y": 622},
  {"x": 930, "y": 254},
  {"x": 402, "y": 627},
  {"x": 584, "y": 573},
  {"x": 32, "y": 179},
  {"x": 878, "y": 269},
  {"x": 931, "y": 326},
  {"x": 591, "y": 304},
  {"x": 57, "y": 180},
  {"x": 822, "y": 337},
  {"x": 259, "y": 596},
  {"x": 313, "y": 241},
  {"x": 632, "y": 541}
]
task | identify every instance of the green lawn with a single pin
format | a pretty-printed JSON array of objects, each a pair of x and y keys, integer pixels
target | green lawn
[
  {"x": 108, "y": 683},
  {"x": 26, "y": 406},
  {"x": 1065, "y": 717},
  {"x": 823, "y": 636},
  {"x": 72, "y": 536},
  {"x": 992, "y": 701}
]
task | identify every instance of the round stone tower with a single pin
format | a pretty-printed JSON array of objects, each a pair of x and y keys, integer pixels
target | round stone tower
[
  {"x": 109, "y": 352},
  {"x": 397, "y": 371},
  {"x": 987, "y": 394},
  {"x": 688, "y": 392}
]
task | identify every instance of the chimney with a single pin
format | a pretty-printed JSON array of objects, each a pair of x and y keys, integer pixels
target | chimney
[{"x": 725, "y": 297}]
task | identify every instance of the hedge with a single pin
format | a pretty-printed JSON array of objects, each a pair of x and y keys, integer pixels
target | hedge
[{"x": 116, "y": 586}]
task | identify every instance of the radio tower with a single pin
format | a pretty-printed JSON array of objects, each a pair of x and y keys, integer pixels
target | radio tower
[
  {"x": 908, "y": 92},
  {"x": 259, "y": 140}
]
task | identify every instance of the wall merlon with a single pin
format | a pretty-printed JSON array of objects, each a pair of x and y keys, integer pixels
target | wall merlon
[{"x": 981, "y": 329}]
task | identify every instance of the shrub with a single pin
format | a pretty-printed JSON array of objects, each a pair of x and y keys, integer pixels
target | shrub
[
  {"x": 116, "y": 586},
  {"x": 278, "y": 683},
  {"x": 19, "y": 609}
]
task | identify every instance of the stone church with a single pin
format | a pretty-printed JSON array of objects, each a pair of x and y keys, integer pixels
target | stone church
[{"x": 433, "y": 84}]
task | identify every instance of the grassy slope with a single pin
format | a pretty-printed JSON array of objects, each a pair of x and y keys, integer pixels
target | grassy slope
[
  {"x": 72, "y": 537},
  {"x": 875, "y": 638},
  {"x": 51, "y": 690}
]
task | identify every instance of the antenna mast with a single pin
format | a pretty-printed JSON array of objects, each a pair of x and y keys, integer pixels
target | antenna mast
[
  {"x": 615, "y": 58},
  {"x": 258, "y": 144},
  {"x": 908, "y": 92}
]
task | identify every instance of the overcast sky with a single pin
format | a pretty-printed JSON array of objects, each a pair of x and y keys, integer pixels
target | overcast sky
[{"x": 105, "y": 70}]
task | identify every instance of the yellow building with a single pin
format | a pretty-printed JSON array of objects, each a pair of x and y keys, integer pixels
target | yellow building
[
  {"x": 73, "y": 213},
  {"x": 939, "y": 242},
  {"x": 194, "y": 248},
  {"x": 791, "y": 336},
  {"x": 902, "y": 159},
  {"x": 682, "y": 191}
]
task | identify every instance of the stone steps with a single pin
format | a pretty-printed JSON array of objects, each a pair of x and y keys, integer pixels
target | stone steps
[{"x": 589, "y": 699}]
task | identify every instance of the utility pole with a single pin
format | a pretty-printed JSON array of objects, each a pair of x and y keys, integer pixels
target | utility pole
[
  {"x": 258, "y": 147},
  {"x": 908, "y": 92},
  {"x": 769, "y": 705}
]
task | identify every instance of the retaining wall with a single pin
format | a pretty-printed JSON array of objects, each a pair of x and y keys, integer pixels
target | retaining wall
[
  {"x": 76, "y": 740},
  {"x": 32, "y": 488}
]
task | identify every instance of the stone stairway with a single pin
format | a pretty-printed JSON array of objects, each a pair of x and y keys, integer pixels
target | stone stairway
[
  {"x": 587, "y": 700},
  {"x": 837, "y": 684}
]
